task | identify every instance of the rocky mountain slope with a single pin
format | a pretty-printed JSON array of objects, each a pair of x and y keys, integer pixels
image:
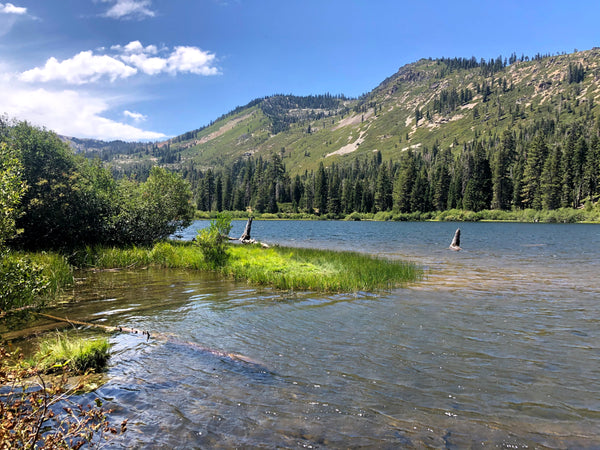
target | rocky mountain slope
[{"x": 442, "y": 103}]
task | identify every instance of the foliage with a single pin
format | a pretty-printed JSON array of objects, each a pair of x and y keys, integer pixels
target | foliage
[
  {"x": 21, "y": 281},
  {"x": 213, "y": 240},
  {"x": 32, "y": 278},
  {"x": 12, "y": 188},
  {"x": 47, "y": 415},
  {"x": 151, "y": 211},
  {"x": 72, "y": 202},
  {"x": 73, "y": 354}
]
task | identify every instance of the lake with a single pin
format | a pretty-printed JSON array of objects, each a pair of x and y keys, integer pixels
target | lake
[{"x": 499, "y": 346}]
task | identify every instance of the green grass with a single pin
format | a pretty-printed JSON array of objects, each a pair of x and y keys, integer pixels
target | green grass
[
  {"x": 320, "y": 270},
  {"x": 279, "y": 267},
  {"x": 73, "y": 353}
]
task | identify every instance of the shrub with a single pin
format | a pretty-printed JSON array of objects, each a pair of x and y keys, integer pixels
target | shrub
[
  {"x": 21, "y": 281},
  {"x": 213, "y": 240}
]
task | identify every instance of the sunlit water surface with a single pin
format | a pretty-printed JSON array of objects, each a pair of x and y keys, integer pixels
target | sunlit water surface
[{"x": 498, "y": 347}]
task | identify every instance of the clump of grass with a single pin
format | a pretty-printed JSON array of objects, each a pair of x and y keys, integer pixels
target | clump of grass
[
  {"x": 73, "y": 353},
  {"x": 321, "y": 270},
  {"x": 280, "y": 267}
]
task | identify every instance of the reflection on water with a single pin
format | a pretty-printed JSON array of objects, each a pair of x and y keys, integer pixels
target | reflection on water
[{"x": 498, "y": 347}]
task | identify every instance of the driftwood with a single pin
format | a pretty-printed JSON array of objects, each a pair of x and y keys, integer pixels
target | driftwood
[
  {"x": 157, "y": 336},
  {"x": 456, "y": 241}
]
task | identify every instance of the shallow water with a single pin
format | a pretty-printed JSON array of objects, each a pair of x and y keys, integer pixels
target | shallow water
[{"x": 498, "y": 347}]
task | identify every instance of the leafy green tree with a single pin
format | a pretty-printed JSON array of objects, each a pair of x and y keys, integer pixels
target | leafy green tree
[
  {"x": 151, "y": 211},
  {"x": 12, "y": 188},
  {"x": 68, "y": 199}
]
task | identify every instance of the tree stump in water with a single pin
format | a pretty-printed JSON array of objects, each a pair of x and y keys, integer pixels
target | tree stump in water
[
  {"x": 245, "y": 237},
  {"x": 456, "y": 241},
  {"x": 246, "y": 234}
]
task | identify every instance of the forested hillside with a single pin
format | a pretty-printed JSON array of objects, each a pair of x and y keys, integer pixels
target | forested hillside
[{"x": 507, "y": 133}]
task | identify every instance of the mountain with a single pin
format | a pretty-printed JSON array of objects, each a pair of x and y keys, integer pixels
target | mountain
[{"x": 441, "y": 103}]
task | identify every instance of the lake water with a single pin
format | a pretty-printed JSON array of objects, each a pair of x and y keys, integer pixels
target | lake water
[{"x": 499, "y": 346}]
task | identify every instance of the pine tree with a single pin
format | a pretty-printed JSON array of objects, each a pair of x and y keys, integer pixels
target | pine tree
[
  {"x": 404, "y": 182},
  {"x": 550, "y": 180},
  {"x": 531, "y": 194},
  {"x": 419, "y": 198},
  {"x": 383, "y": 190},
  {"x": 478, "y": 191},
  {"x": 501, "y": 164},
  {"x": 321, "y": 190}
]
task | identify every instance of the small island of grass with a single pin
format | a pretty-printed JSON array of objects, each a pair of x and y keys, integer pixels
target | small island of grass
[{"x": 279, "y": 267}]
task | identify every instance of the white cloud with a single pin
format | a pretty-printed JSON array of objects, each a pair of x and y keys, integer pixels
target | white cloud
[
  {"x": 68, "y": 112},
  {"x": 129, "y": 9},
  {"x": 181, "y": 59},
  {"x": 193, "y": 60},
  {"x": 137, "y": 117},
  {"x": 150, "y": 66},
  {"x": 85, "y": 67},
  {"x": 9, "y": 8}
]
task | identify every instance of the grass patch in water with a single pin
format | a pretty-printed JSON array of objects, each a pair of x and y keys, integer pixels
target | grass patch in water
[
  {"x": 281, "y": 267},
  {"x": 73, "y": 353}
]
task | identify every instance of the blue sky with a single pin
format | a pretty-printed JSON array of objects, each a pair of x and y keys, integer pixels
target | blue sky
[{"x": 152, "y": 69}]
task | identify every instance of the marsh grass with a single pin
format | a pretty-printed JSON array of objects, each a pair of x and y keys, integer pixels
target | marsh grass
[
  {"x": 280, "y": 267},
  {"x": 76, "y": 354}
]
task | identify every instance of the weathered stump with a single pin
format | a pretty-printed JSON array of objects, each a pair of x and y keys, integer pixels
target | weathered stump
[
  {"x": 456, "y": 241},
  {"x": 246, "y": 234}
]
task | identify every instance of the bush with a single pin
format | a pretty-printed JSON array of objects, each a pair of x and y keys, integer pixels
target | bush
[
  {"x": 213, "y": 240},
  {"x": 21, "y": 281}
]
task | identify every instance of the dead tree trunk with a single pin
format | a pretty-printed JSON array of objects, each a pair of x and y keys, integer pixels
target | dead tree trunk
[
  {"x": 246, "y": 235},
  {"x": 456, "y": 241}
]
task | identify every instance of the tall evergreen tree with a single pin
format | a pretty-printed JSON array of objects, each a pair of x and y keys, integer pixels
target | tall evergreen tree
[
  {"x": 478, "y": 191},
  {"x": 550, "y": 180},
  {"x": 404, "y": 182},
  {"x": 383, "y": 189},
  {"x": 321, "y": 189},
  {"x": 501, "y": 165},
  {"x": 531, "y": 194}
]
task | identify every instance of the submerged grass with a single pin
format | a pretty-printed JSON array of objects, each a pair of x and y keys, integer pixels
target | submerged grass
[
  {"x": 280, "y": 267},
  {"x": 73, "y": 353}
]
